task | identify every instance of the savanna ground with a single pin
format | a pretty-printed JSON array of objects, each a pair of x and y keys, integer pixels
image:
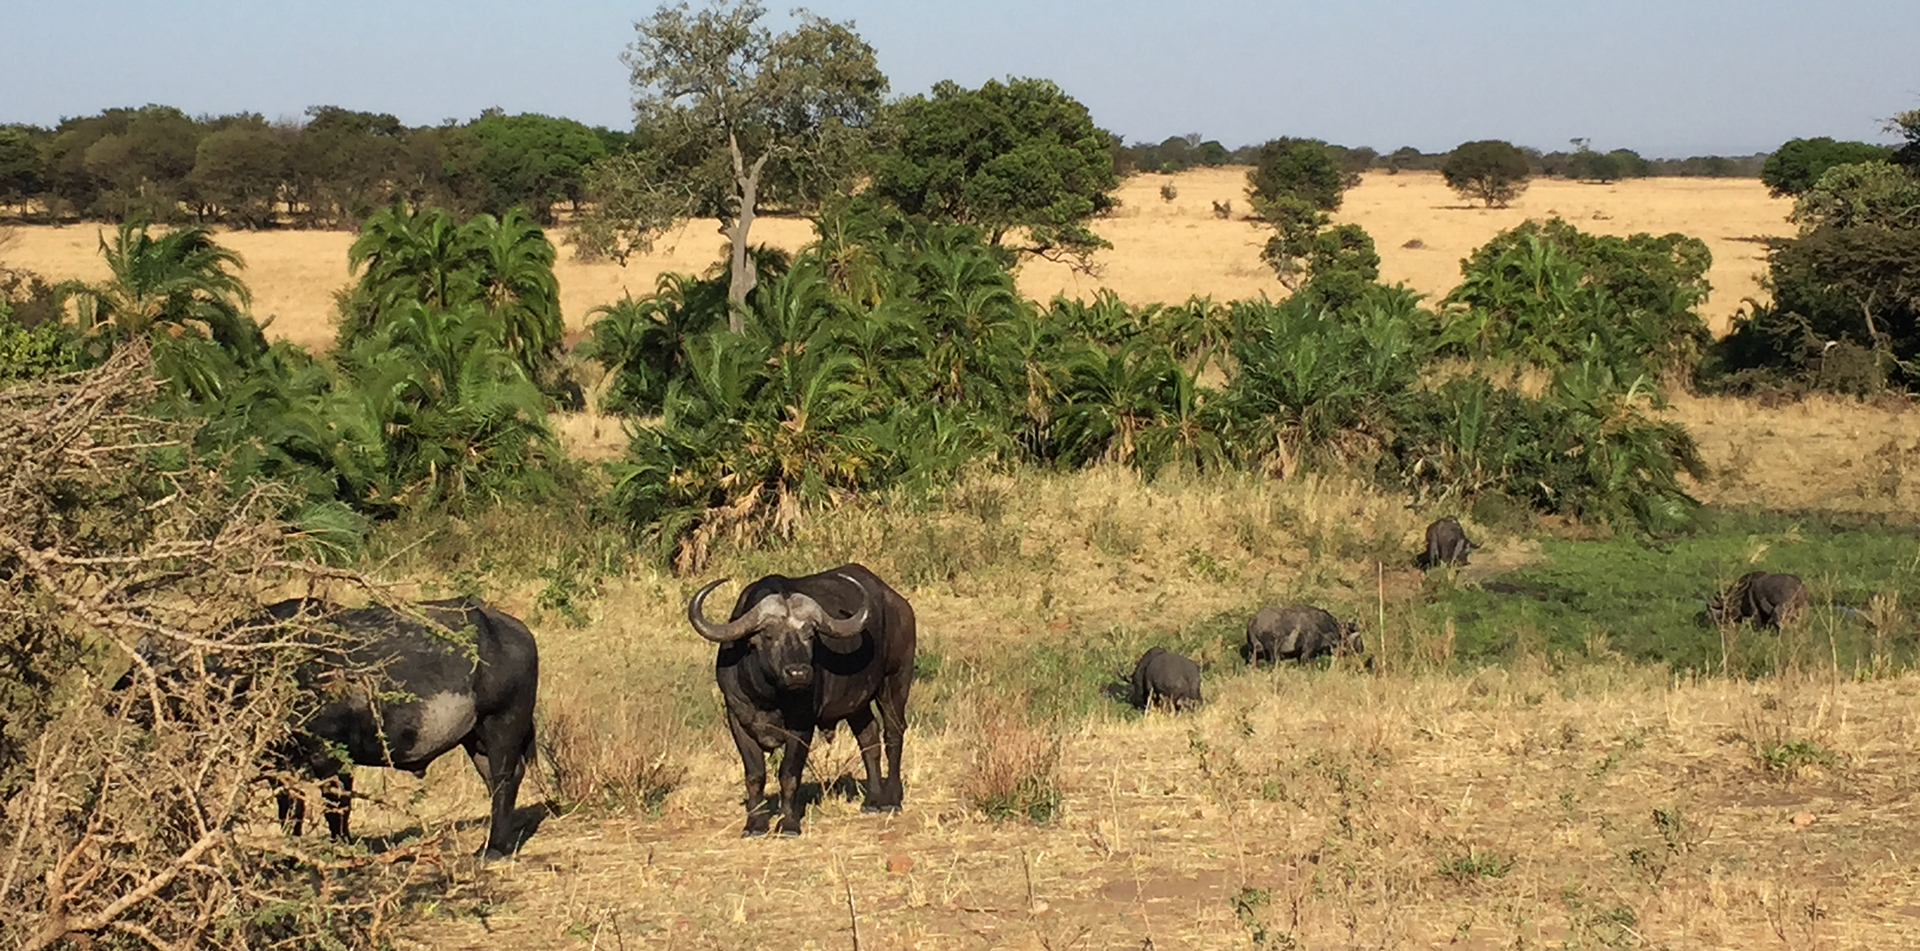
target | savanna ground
[{"x": 1518, "y": 769}]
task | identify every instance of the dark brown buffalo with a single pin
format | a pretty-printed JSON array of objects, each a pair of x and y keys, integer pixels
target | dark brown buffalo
[
  {"x": 1768, "y": 600},
  {"x": 1300, "y": 632},
  {"x": 1162, "y": 676},
  {"x": 1447, "y": 544},
  {"x": 804, "y": 654},
  {"x": 400, "y": 689}
]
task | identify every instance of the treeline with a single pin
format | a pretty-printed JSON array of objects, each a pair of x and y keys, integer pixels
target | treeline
[
  {"x": 1179, "y": 153},
  {"x": 337, "y": 166},
  {"x": 334, "y": 169}
]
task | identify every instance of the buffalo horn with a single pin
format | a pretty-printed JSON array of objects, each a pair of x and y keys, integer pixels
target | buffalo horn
[
  {"x": 740, "y": 627},
  {"x": 852, "y": 626}
]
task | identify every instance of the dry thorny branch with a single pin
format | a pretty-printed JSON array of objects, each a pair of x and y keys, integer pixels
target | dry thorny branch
[{"x": 142, "y": 816}]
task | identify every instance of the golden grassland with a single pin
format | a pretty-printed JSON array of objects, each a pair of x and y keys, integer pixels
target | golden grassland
[{"x": 1162, "y": 250}]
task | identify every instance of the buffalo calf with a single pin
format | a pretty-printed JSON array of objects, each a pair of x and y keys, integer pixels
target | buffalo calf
[
  {"x": 1162, "y": 676},
  {"x": 1447, "y": 544},
  {"x": 1768, "y": 600}
]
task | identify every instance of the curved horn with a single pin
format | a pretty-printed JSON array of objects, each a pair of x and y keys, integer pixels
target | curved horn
[
  {"x": 852, "y": 626},
  {"x": 727, "y": 633}
]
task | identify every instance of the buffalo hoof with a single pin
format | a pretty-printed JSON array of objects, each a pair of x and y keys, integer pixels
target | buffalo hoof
[
  {"x": 789, "y": 827},
  {"x": 753, "y": 833},
  {"x": 491, "y": 855},
  {"x": 874, "y": 807}
]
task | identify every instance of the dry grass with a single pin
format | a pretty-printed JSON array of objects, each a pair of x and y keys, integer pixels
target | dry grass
[
  {"x": 1505, "y": 809},
  {"x": 1164, "y": 250},
  {"x": 1603, "y": 805},
  {"x": 1169, "y": 250},
  {"x": 1821, "y": 452}
]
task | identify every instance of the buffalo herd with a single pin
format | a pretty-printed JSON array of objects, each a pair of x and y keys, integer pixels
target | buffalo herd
[{"x": 797, "y": 657}]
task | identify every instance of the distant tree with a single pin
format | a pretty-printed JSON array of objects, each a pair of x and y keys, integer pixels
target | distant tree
[
  {"x": 240, "y": 169},
  {"x": 1015, "y": 155},
  {"x": 1594, "y": 166},
  {"x": 1798, "y": 163},
  {"x": 1630, "y": 163},
  {"x": 22, "y": 172},
  {"x": 743, "y": 116},
  {"x": 1300, "y": 168},
  {"x": 1401, "y": 159},
  {"x": 1490, "y": 170},
  {"x": 70, "y": 187},
  {"x": 531, "y": 161},
  {"x": 345, "y": 165},
  {"x": 1355, "y": 161},
  {"x": 145, "y": 166}
]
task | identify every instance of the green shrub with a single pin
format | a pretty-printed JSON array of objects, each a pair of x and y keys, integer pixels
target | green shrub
[{"x": 1549, "y": 294}]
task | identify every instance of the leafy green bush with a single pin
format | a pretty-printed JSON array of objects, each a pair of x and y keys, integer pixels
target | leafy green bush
[
  {"x": 1309, "y": 377},
  {"x": 1589, "y": 448},
  {"x": 1550, "y": 294},
  {"x": 29, "y": 353},
  {"x": 1797, "y": 164}
]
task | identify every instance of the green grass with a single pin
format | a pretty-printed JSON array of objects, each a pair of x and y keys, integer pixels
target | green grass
[{"x": 1647, "y": 601}]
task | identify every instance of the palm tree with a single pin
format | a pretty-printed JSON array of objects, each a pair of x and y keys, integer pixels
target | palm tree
[
  {"x": 179, "y": 279},
  {"x": 503, "y": 265},
  {"x": 455, "y": 410},
  {"x": 514, "y": 264}
]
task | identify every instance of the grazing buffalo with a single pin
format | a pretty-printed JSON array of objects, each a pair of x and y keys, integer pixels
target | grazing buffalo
[
  {"x": 423, "y": 693},
  {"x": 1447, "y": 544},
  {"x": 1768, "y": 600},
  {"x": 1162, "y": 676},
  {"x": 1301, "y": 632},
  {"x": 804, "y": 653}
]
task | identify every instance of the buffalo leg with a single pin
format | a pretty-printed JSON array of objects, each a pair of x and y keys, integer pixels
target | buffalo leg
[
  {"x": 505, "y": 741},
  {"x": 753, "y": 764},
  {"x": 792, "y": 764},
  {"x": 337, "y": 795},
  {"x": 866, "y": 731},
  {"x": 893, "y": 715}
]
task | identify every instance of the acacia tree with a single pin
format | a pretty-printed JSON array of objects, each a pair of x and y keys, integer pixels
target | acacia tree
[
  {"x": 1493, "y": 171},
  {"x": 745, "y": 116}
]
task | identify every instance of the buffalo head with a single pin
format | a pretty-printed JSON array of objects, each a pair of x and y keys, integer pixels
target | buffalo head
[
  {"x": 782, "y": 628},
  {"x": 1350, "y": 641}
]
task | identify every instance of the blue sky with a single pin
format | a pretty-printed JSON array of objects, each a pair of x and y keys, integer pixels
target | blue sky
[{"x": 1665, "y": 77}]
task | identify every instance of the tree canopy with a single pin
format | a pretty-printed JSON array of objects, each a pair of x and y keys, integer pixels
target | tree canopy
[
  {"x": 1798, "y": 163},
  {"x": 1490, "y": 170},
  {"x": 741, "y": 115},
  {"x": 1020, "y": 154},
  {"x": 529, "y": 160},
  {"x": 1308, "y": 169}
]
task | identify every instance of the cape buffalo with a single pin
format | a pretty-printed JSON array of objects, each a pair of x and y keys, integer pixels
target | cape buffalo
[
  {"x": 1447, "y": 544},
  {"x": 423, "y": 693},
  {"x": 1165, "y": 677},
  {"x": 1768, "y": 600},
  {"x": 804, "y": 653},
  {"x": 1300, "y": 632}
]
